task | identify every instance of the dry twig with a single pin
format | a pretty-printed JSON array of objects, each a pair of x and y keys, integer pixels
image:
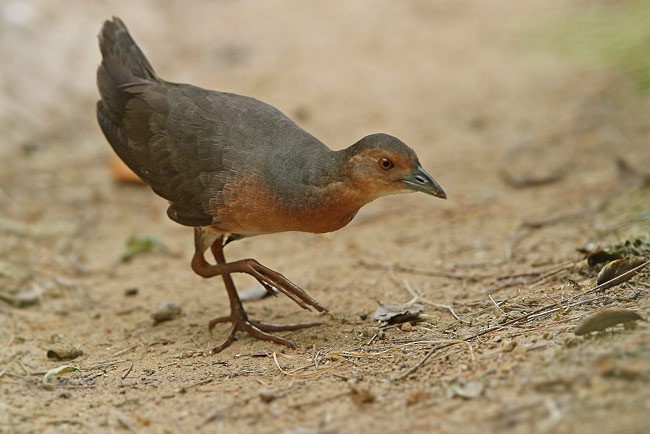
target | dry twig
[{"x": 544, "y": 310}]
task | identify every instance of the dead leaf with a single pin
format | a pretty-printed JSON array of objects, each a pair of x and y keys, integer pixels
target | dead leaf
[
  {"x": 122, "y": 173},
  {"x": 605, "y": 318},
  {"x": 259, "y": 353},
  {"x": 600, "y": 256},
  {"x": 617, "y": 267},
  {"x": 394, "y": 314}
]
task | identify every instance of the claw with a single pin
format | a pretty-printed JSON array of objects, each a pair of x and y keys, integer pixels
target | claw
[{"x": 257, "y": 329}]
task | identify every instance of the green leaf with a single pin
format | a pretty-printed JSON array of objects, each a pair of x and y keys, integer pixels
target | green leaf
[
  {"x": 138, "y": 245},
  {"x": 56, "y": 372}
]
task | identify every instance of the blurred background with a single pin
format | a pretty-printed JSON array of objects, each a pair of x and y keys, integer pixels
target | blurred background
[
  {"x": 414, "y": 68},
  {"x": 494, "y": 95},
  {"x": 524, "y": 111}
]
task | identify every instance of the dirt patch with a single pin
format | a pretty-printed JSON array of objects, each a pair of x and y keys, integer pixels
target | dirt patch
[{"x": 524, "y": 142}]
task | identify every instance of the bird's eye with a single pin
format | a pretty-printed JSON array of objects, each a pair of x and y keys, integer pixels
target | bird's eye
[{"x": 385, "y": 163}]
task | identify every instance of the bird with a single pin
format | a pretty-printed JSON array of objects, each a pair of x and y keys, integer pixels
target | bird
[{"x": 232, "y": 166}]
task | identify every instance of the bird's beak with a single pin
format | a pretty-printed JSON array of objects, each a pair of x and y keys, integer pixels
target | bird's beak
[{"x": 420, "y": 180}]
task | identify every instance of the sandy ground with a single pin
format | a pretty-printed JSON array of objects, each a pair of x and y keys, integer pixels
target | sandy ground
[{"x": 487, "y": 114}]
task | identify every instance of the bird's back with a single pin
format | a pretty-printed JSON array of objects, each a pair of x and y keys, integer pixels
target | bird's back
[{"x": 196, "y": 148}]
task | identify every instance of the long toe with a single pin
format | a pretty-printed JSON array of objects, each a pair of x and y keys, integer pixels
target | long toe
[
  {"x": 259, "y": 334},
  {"x": 218, "y": 320},
  {"x": 257, "y": 329},
  {"x": 268, "y": 327},
  {"x": 267, "y": 277},
  {"x": 227, "y": 342}
]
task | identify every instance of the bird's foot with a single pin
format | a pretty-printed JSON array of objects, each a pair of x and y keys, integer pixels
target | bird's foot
[{"x": 257, "y": 329}]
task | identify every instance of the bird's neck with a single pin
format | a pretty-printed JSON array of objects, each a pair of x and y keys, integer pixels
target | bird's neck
[
  {"x": 340, "y": 198},
  {"x": 324, "y": 198}
]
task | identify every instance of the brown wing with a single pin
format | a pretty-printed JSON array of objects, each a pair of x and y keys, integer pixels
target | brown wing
[
  {"x": 138, "y": 113},
  {"x": 189, "y": 143}
]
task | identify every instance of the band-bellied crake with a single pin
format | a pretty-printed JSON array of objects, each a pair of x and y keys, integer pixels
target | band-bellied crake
[{"x": 232, "y": 167}]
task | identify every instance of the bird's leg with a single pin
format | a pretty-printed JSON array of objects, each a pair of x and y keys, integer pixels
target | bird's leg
[
  {"x": 217, "y": 251},
  {"x": 267, "y": 277},
  {"x": 238, "y": 316}
]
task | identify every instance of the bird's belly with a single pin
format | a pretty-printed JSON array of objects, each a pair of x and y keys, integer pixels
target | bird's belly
[
  {"x": 269, "y": 220},
  {"x": 250, "y": 208}
]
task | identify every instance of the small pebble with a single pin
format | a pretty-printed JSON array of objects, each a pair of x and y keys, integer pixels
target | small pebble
[
  {"x": 63, "y": 352},
  {"x": 268, "y": 396},
  {"x": 21, "y": 299},
  {"x": 166, "y": 312},
  {"x": 406, "y": 327},
  {"x": 256, "y": 292},
  {"x": 469, "y": 390}
]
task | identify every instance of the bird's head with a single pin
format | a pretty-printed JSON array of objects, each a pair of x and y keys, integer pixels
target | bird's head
[{"x": 380, "y": 165}]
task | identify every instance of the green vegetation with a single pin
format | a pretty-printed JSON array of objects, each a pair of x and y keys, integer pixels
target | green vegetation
[{"x": 613, "y": 34}]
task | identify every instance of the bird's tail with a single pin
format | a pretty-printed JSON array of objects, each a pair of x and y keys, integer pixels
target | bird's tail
[{"x": 123, "y": 63}]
